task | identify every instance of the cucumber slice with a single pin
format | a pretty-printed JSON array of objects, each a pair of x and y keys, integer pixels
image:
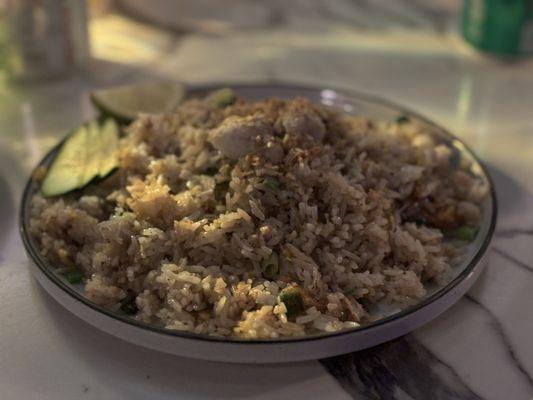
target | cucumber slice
[
  {"x": 89, "y": 153},
  {"x": 124, "y": 103},
  {"x": 108, "y": 148},
  {"x": 68, "y": 171}
]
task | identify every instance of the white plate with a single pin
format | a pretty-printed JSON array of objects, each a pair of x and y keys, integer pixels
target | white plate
[{"x": 394, "y": 323}]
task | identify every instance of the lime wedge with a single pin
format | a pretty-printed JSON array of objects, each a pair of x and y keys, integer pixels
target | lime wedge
[{"x": 124, "y": 103}]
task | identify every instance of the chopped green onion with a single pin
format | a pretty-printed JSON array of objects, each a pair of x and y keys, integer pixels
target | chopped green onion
[
  {"x": 270, "y": 266},
  {"x": 222, "y": 98},
  {"x": 466, "y": 233},
  {"x": 292, "y": 298},
  {"x": 402, "y": 119},
  {"x": 127, "y": 305},
  {"x": 420, "y": 221},
  {"x": 74, "y": 276},
  {"x": 455, "y": 158},
  {"x": 271, "y": 183},
  {"x": 349, "y": 291},
  {"x": 220, "y": 190},
  {"x": 211, "y": 171}
]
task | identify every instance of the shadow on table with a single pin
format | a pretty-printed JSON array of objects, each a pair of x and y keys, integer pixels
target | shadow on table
[{"x": 135, "y": 372}]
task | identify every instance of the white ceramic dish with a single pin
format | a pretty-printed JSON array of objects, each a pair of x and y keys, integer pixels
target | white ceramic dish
[{"x": 394, "y": 323}]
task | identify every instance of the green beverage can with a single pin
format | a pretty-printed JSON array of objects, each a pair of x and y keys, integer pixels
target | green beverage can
[{"x": 499, "y": 26}]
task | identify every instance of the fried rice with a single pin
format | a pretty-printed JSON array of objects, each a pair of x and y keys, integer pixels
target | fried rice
[{"x": 217, "y": 215}]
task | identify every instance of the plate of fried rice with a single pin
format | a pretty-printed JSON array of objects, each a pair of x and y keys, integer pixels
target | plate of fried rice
[{"x": 266, "y": 223}]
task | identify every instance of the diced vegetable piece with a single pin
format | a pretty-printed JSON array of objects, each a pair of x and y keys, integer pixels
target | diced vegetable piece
[
  {"x": 74, "y": 276},
  {"x": 292, "y": 298},
  {"x": 89, "y": 153},
  {"x": 221, "y": 98},
  {"x": 455, "y": 158},
  {"x": 420, "y": 221},
  {"x": 349, "y": 292},
  {"x": 402, "y": 119},
  {"x": 211, "y": 171},
  {"x": 271, "y": 183},
  {"x": 466, "y": 233},
  {"x": 221, "y": 188},
  {"x": 124, "y": 103},
  {"x": 69, "y": 169},
  {"x": 270, "y": 266},
  {"x": 127, "y": 305}
]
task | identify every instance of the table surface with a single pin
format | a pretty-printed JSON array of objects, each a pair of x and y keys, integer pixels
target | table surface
[{"x": 479, "y": 349}]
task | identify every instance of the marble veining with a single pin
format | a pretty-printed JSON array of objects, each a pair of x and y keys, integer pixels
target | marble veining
[
  {"x": 497, "y": 326},
  {"x": 510, "y": 233},
  {"x": 398, "y": 370},
  {"x": 513, "y": 260}
]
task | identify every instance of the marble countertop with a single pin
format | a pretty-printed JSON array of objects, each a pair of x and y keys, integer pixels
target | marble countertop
[{"x": 481, "y": 348}]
